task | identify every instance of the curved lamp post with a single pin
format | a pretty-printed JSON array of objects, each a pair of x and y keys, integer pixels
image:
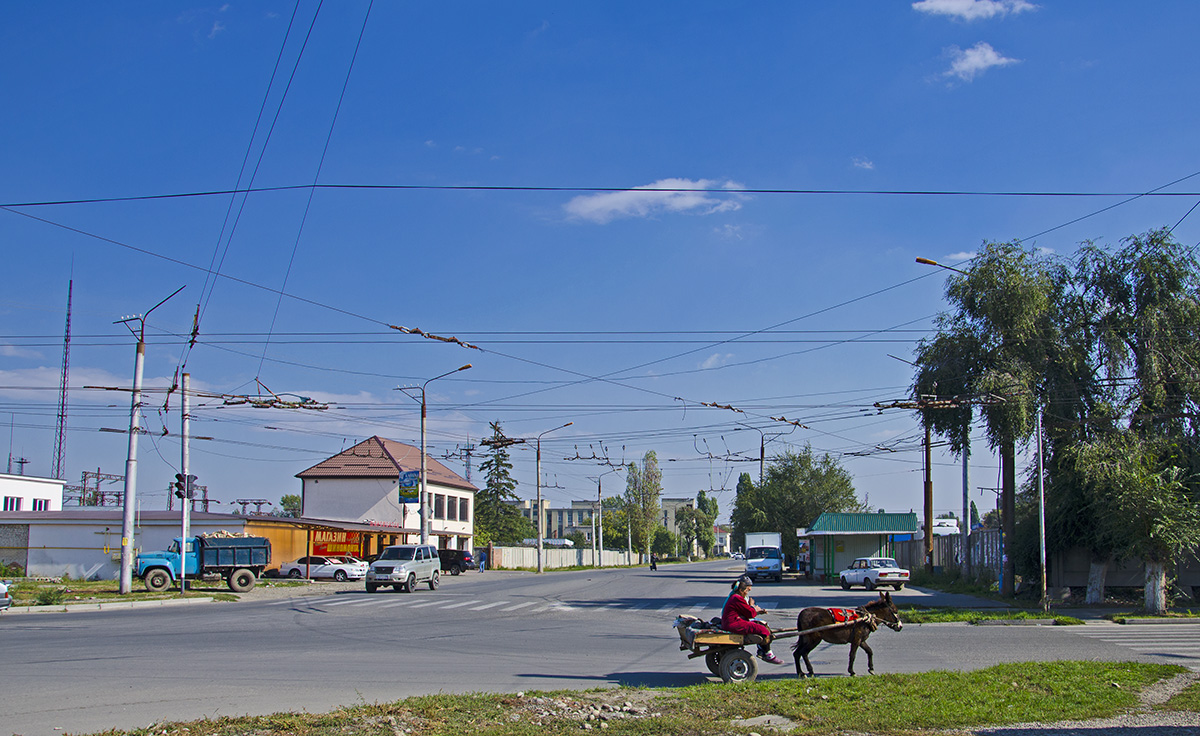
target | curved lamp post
[
  {"x": 424, "y": 499},
  {"x": 540, "y": 520}
]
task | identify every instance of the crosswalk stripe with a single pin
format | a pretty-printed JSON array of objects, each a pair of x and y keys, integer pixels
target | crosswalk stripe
[
  {"x": 344, "y": 602},
  {"x": 428, "y": 603},
  {"x": 408, "y": 602},
  {"x": 486, "y": 606},
  {"x": 666, "y": 608},
  {"x": 638, "y": 607},
  {"x": 513, "y": 608},
  {"x": 458, "y": 605}
]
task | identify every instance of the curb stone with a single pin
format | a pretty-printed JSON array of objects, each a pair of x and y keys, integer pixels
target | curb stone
[{"x": 108, "y": 606}]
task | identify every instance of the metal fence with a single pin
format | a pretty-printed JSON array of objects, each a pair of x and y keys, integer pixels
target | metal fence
[{"x": 986, "y": 553}]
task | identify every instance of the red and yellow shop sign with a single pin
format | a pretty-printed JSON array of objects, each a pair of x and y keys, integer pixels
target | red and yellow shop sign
[{"x": 333, "y": 543}]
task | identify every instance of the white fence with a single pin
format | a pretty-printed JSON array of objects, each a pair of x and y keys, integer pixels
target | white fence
[{"x": 510, "y": 558}]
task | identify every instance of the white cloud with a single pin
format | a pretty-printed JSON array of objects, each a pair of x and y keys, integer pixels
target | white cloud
[
  {"x": 217, "y": 27},
  {"x": 729, "y": 232},
  {"x": 863, "y": 163},
  {"x": 966, "y": 65},
  {"x": 644, "y": 201},
  {"x": 430, "y": 144},
  {"x": 961, "y": 256},
  {"x": 12, "y": 351},
  {"x": 973, "y": 9},
  {"x": 716, "y": 360}
]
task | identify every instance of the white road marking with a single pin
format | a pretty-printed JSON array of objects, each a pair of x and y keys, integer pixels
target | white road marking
[
  {"x": 512, "y": 608},
  {"x": 457, "y": 605},
  {"x": 488, "y": 605}
]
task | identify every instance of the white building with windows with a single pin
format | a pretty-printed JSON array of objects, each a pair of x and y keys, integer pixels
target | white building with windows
[
  {"x": 362, "y": 485},
  {"x": 27, "y": 493}
]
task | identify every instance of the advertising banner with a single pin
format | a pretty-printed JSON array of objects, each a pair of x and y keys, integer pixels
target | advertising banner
[
  {"x": 410, "y": 486},
  {"x": 332, "y": 543}
]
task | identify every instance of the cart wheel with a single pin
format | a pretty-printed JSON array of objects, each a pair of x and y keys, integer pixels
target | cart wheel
[
  {"x": 738, "y": 665},
  {"x": 713, "y": 660}
]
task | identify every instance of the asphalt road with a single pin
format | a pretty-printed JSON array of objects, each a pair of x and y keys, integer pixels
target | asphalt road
[{"x": 331, "y": 645}]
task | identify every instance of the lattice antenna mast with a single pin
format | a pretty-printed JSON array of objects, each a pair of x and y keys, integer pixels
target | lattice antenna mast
[{"x": 60, "y": 434}]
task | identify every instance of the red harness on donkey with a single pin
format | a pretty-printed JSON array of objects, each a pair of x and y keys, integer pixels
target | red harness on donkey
[{"x": 843, "y": 626}]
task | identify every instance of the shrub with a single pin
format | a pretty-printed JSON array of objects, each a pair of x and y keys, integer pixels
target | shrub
[{"x": 50, "y": 596}]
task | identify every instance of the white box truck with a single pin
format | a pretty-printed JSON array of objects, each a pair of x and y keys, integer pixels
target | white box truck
[{"x": 764, "y": 555}]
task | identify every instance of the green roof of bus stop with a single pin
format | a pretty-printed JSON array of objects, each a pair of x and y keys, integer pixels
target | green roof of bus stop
[{"x": 830, "y": 523}]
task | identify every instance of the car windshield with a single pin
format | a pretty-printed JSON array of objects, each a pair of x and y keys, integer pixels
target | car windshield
[
  {"x": 397, "y": 553},
  {"x": 759, "y": 553},
  {"x": 883, "y": 562}
]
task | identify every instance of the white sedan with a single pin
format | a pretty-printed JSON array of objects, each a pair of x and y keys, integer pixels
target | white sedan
[
  {"x": 873, "y": 572},
  {"x": 338, "y": 568}
]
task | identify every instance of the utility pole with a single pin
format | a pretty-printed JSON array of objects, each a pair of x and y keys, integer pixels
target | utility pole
[
  {"x": 541, "y": 517},
  {"x": 1041, "y": 511},
  {"x": 185, "y": 462},
  {"x": 130, "y": 495},
  {"x": 928, "y": 499}
]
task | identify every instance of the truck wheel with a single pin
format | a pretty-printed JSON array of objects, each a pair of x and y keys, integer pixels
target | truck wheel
[
  {"x": 295, "y": 573},
  {"x": 157, "y": 580},
  {"x": 433, "y": 581},
  {"x": 242, "y": 580},
  {"x": 339, "y": 575},
  {"x": 779, "y": 578},
  {"x": 411, "y": 584},
  {"x": 845, "y": 584}
]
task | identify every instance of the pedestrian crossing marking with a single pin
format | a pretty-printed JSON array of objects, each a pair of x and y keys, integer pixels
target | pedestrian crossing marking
[
  {"x": 344, "y": 602},
  {"x": 459, "y": 605},
  {"x": 429, "y": 603},
  {"x": 513, "y": 608},
  {"x": 488, "y": 605}
]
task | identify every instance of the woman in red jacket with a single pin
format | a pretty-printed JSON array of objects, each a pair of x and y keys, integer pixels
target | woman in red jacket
[{"x": 737, "y": 615}]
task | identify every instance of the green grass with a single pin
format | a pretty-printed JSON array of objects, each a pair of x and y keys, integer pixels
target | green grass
[
  {"x": 1121, "y": 618},
  {"x": 66, "y": 592},
  {"x": 1188, "y": 700},
  {"x": 885, "y": 704},
  {"x": 960, "y": 615}
]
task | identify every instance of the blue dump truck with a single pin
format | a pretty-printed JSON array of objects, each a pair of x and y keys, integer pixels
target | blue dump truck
[{"x": 239, "y": 560}]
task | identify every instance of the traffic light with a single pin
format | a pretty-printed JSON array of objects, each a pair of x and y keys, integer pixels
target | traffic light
[{"x": 185, "y": 486}]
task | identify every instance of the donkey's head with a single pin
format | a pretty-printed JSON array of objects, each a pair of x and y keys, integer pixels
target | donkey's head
[{"x": 885, "y": 610}]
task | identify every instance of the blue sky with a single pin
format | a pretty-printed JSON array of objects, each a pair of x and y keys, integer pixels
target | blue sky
[{"x": 529, "y": 139}]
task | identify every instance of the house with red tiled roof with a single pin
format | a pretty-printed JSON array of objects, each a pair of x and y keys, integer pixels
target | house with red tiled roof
[{"x": 363, "y": 485}]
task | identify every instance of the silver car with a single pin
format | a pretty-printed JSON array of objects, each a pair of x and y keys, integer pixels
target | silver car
[{"x": 403, "y": 566}]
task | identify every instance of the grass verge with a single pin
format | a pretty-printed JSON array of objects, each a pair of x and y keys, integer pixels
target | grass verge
[
  {"x": 916, "y": 615},
  {"x": 1188, "y": 700},
  {"x": 885, "y": 704},
  {"x": 66, "y": 592}
]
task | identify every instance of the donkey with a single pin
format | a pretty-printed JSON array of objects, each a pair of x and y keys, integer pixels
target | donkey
[{"x": 859, "y": 624}]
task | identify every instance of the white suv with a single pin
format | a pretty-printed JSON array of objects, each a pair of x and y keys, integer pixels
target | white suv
[{"x": 403, "y": 566}]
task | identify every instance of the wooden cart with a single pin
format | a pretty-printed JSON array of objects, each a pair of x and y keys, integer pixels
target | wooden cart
[{"x": 724, "y": 651}]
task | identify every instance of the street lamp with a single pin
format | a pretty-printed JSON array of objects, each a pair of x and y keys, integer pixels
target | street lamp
[
  {"x": 964, "y": 531},
  {"x": 424, "y": 500},
  {"x": 929, "y": 262},
  {"x": 540, "y": 520}
]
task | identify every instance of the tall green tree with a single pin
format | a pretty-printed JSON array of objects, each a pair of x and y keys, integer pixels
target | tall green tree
[
  {"x": 616, "y": 523},
  {"x": 498, "y": 520},
  {"x": 643, "y": 490},
  {"x": 798, "y": 487},
  {"x": 707, "y": 510},
  {"x": 995, "y": 343},
  {"x": 289, "y": 505}
]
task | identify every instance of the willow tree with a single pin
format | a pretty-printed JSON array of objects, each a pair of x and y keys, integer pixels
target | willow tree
[
  {"x": 994, "y": 343},
  {"x": 1144, "y": 466}
]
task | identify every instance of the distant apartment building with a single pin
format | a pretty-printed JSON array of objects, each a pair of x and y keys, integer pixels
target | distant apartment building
[{"x": 560, "y": 521}]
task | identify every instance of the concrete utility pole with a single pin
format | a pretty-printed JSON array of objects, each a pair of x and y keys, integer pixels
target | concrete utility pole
[
  {"x": 185, "y": 463},
  {"x": 541, "y": 517},
  {"x": 130, "y": 496}
]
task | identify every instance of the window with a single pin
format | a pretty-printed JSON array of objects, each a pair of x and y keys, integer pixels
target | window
[
  {"x": 464, "y": 510},
  {"x": 439, "y": 506},
  {"x": 451, "y": 508},
  {"x": 12, "y": 503},
  {"x": 41, "y": 504}
]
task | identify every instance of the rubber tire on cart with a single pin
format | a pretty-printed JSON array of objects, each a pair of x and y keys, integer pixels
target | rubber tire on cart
[
  {"x": 435, "y": 580},
  {"x": 371, "y": 587},
  {"x": 738, "y": 665},
  {"x": 295, "y": 573},
  {"x": 869, "y": 583},
  {"x": 242, "y": 580},
  {"x": 411, "y": 584},
  {"x": 845, "y": 584},
  {"x": 157, "y": 580},
  {"x": 339, "y": 576},
  {"x": 713, "y": 660}
]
